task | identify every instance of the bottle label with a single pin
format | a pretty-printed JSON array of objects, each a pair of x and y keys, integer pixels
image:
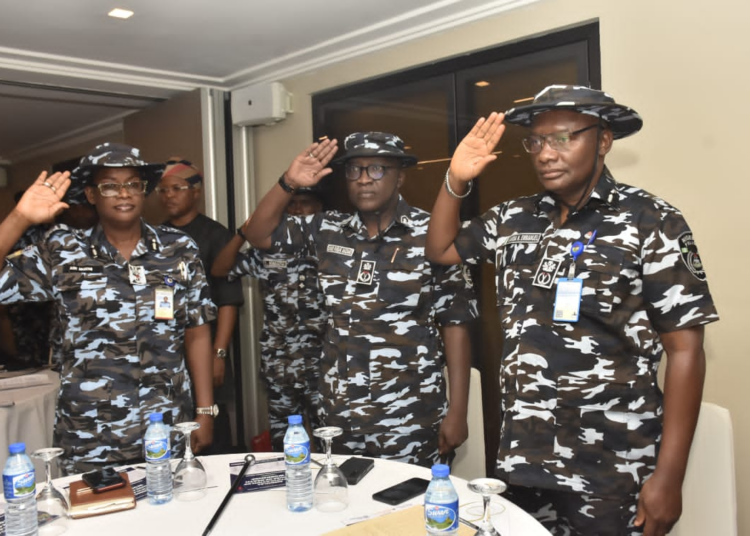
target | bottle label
[
  {"x": 157, "y": 449},
  {"x": 19, "y": 486},
  {"x": 441, "y": 517},
  {"x": 297, "y": 453}
]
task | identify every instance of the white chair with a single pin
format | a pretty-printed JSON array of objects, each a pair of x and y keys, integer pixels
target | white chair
[
  {"x": 469, "y": 462},
  {"x": 709, "y": 500}
]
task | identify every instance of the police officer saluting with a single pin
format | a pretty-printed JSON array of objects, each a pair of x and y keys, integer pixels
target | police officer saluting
[
  {"x": 595, "y": 280},
  {"x": 381, "y": 367},
  {"x": 134, "y": 308}
]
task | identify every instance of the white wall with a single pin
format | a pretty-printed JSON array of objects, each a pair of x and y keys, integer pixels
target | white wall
[{"x": 683, "y": 66}]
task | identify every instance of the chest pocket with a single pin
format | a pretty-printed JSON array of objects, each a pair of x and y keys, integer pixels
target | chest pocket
[
  {"x": 514, "y": 264},
  {"x": 604, "y": 283},
  {"x": 180, "y": 300},
  {"x": 400, "y": 283},
  {"x": 333, "y": 275},
  {"x": 87, "y": 300}
]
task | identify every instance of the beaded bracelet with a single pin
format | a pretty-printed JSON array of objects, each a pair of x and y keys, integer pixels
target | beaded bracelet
[{"x": 450, "y": 190}]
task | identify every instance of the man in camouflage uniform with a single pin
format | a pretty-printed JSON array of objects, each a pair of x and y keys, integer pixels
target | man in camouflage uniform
[
  {"x": 293, "y": 321},
  {"x": 595, "y": 279},
  {"x": 122, "y": 358},
  {"x": 383, "y": 356}
]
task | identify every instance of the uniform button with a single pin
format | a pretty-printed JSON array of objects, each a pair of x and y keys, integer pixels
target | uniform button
[{"x": 302, "y": 278}]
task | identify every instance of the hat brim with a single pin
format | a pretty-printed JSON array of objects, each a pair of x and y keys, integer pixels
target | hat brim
[
  {"x": 623, "y": 121},
  {"x": 81, "y": 177},
  {"x": 407, "y": 160}
]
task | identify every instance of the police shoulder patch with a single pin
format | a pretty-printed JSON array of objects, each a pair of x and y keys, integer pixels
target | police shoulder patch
[{"x": 689, "y": 255}]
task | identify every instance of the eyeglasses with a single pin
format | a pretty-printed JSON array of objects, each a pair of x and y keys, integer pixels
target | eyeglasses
[
  {"x": 112, "y": 189},
  {"x": 374, "y": 171},
  {"x": 161, "y": 190},
  {"x": 557, "y": 141}
]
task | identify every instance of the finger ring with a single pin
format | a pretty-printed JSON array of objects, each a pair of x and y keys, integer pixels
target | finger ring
[
  {"x": 53, "y": 188},
  {"x": 47, "y": 184},
  {"x": 311, "y": 155}
]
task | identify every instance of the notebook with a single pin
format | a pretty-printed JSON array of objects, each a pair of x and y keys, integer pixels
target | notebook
[{"x": 85, "y": 503}]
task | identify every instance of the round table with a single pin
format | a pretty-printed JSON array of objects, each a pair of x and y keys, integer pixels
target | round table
[
  {"x": 265, "y": 512},
  {"x": 28, "y": 414}
]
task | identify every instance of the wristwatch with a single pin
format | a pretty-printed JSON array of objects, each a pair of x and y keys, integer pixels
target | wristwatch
[
  {"x": 220, "y": 353},
  {"x": 210, "y": 410}
]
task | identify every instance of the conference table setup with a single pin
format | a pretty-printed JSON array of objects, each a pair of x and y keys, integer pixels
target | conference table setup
[{"x": 264, "y": 511}]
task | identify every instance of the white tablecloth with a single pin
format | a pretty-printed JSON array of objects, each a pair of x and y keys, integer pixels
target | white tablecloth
[
  {"x": 28, "y": 415},
  {"x": 264, "y": 512}
]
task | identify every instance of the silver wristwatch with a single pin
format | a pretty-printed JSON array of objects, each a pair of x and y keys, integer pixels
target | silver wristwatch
[
  {"x": 210, "y": 410},
  {"x": 220, "y": 353}
]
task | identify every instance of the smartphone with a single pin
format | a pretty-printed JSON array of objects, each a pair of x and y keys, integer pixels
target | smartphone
[
  {"x": 103, "y": 480},
  {"x": 355, "y": 469},
  {"x": 402, "y": 491}
]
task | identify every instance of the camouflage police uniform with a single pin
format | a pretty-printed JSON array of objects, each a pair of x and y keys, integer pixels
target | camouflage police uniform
[
  {"x": 382, "y": 362},
  {"x": 582, "y": 411},
  {"x": 31, "y": 321},
  {"x": 119, "y": 363},
  {"x": 293, "y": 322}
]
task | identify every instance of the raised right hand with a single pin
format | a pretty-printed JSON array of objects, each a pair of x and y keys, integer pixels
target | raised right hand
[
  {"x": 476, "y": 149},
  {"x": 42, "y": 201},
  {"x": 309, "y": 167}
]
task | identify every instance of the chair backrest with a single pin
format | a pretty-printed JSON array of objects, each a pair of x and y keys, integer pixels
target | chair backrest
[
  {"x": 709, "y": 500},
  {"x": 469, "y": 461}
]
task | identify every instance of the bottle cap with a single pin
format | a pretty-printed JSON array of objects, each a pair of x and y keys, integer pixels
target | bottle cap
[
  {"x": 440, "y": 470},
  {"x": 156, "y": 417},
  {"x": 16, "y": 448},
  {"x": 295, "y": 419}
]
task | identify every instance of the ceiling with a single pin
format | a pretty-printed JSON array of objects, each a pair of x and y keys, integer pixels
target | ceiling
[{"x": 66, "y": 68}]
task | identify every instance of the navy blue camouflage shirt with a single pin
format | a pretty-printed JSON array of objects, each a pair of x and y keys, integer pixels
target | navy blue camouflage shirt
[
  {"x": 582, "y": 408},
  {"x": 119, "y": 364},
  {"x": 382, "y": 360}
]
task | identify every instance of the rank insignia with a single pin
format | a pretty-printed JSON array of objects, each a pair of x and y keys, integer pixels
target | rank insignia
[{"x": 366, "y": 270}]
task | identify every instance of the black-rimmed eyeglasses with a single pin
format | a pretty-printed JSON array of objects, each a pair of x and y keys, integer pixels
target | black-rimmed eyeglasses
[
  {"x": 557, "y": 141},
  {"x": 374, "y": 171}
]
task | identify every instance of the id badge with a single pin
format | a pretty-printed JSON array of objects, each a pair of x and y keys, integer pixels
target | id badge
[
  {"x": 164, "y": 303},
  {"x": 568, "y": 300}
]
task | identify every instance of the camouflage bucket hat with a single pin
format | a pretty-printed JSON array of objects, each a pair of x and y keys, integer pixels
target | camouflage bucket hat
[
  {"x": 622, "y": 120},
  {"x": 375, "y": 144},
  {"x": 114, "y": 155}
]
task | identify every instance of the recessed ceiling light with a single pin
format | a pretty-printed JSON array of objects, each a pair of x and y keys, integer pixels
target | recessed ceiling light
[
  {"x": 118, "y": 13},
  {"x": 482, "y": 83}
]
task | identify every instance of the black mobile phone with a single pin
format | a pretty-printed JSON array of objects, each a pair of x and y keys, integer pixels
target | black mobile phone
[
  {"x": 103, "y": 479},
  {"x": 402, "y": 491},
  {"x": 355, "y": 469}
]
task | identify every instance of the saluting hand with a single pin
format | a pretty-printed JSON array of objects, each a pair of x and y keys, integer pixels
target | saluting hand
[
  {"x": 42, "y": 201},
  {"x": 476, "y": 149},
  {"x": 309, "y": 167}
]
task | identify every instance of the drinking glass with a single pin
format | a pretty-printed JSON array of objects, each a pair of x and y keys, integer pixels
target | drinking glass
[
  {"x": 52, "y": 503},
  {"x": 190, "y": 475},
  {"x": 487, "y": 487},
  {"x": 330, "y": 491}
]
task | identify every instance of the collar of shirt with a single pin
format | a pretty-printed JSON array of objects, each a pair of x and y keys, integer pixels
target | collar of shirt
[
  {"x": 402, "y": 216},
  {"x": 605, "y": 194},
  {"x": 149, "y": 242}
]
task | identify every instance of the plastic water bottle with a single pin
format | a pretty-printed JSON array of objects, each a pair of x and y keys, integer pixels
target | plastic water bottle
[
  {"x": 299, "y": 486},
  {"x": 157, "y": 453},
  {"x": 441, "y": 503},
  {"x": 19, "y": 487}
]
